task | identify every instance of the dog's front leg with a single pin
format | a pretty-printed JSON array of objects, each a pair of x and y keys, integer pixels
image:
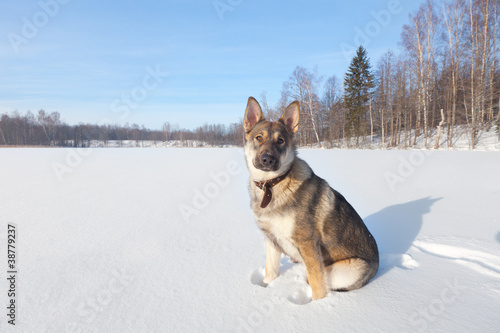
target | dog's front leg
[
  {"x": 273, "y": 256},
  {"x": 311, "y": 255}
]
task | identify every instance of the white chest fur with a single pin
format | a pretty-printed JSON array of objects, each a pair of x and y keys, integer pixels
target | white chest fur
[{"x": 282, "y": 228}]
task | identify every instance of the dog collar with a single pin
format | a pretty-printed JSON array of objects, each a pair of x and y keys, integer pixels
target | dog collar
[{"x": 266, "y": 187}]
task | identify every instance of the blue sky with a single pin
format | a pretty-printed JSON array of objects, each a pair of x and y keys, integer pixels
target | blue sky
[{"x": 188, "y": 62}]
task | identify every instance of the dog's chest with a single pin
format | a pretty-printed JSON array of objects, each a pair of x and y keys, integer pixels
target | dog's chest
[
  {"x": 278, "y": 226},
  {"x": 281, "y": 229}
]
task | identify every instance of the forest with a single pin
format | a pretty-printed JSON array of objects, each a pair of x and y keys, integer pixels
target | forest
[{"x": 443, "y": 77}]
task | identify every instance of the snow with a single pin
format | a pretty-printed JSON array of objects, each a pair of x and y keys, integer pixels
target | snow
[{"x": 163, "y": 240}]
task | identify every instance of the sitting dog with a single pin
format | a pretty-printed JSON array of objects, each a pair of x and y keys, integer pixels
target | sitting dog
[{"x": 299, "y": 213}]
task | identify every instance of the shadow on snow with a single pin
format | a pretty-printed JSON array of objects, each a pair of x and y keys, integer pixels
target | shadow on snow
[{"x": 395, "y": 228}]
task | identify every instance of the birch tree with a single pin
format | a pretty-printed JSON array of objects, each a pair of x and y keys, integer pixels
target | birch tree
[
  {"x": 418, "y": 39},
  {"x": 454, "y": 13},
  {"x": 303, "y": 86}
]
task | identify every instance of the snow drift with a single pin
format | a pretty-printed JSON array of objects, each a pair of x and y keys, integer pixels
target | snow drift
[{"x": 161, "y": 240}]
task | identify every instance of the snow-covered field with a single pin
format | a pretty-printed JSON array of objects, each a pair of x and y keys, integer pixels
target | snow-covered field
[{"x": 163, "y": 240}]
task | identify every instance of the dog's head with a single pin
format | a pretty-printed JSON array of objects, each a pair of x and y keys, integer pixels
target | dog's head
[{"x": 269, "y": 146}]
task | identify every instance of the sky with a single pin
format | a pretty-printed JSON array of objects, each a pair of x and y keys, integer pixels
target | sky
[{"x": 187, "y": 62}]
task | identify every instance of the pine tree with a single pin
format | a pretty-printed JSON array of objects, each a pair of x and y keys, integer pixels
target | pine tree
[{"x": 358, "y": 83}]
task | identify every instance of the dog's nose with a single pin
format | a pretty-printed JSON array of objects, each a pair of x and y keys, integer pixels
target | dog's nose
[{"x": 267, "y": 160}]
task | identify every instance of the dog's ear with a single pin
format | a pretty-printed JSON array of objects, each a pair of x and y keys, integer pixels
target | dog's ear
[
  {"x": 291, "y": 117},
  {"x": 253, "y": 114}
]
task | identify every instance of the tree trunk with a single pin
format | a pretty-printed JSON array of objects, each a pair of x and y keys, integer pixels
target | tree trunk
[
  {"x": 473, "y": 100},
  {"x": 493, "y": 64},
  {"x": 371, "y": 123}
]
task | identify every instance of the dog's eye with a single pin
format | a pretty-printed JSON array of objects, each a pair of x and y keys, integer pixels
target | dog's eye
[
  {"x": 281, "y": 141},
  {"x": 258, "y": 138}
]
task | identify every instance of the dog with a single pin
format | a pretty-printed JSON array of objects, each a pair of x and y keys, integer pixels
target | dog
[{"x": 299, "y": 213}]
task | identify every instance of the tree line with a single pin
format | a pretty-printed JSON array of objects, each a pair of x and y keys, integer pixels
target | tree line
[
  {"x": 445, "y": 76},
  {"x": 47, "y": 129}
]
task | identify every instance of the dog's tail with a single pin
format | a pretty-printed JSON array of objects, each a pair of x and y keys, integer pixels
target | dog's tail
[{"x": 350, "y": 274}]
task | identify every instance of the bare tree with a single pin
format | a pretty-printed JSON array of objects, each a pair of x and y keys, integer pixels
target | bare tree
[
  {"x": 418, "y": 40},
  {"x": 385, "y": 96},
  {"x": 493, "y": 63},
  {"x": 302, "y": 86},
  {"x": 454, "y": 18},
  {"x": 333, "y": 107},
  {"x": 167, "y": 129}
]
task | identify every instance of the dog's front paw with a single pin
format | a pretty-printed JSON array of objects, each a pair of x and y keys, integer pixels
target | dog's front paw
[{"x": 269, "y": 278}]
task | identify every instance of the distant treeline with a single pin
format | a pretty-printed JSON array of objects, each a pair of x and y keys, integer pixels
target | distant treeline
[{"x": 47, "y": 129}]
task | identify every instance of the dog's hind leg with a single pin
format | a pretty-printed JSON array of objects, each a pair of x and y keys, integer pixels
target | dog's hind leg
[{"x": 349, "y": 274}]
